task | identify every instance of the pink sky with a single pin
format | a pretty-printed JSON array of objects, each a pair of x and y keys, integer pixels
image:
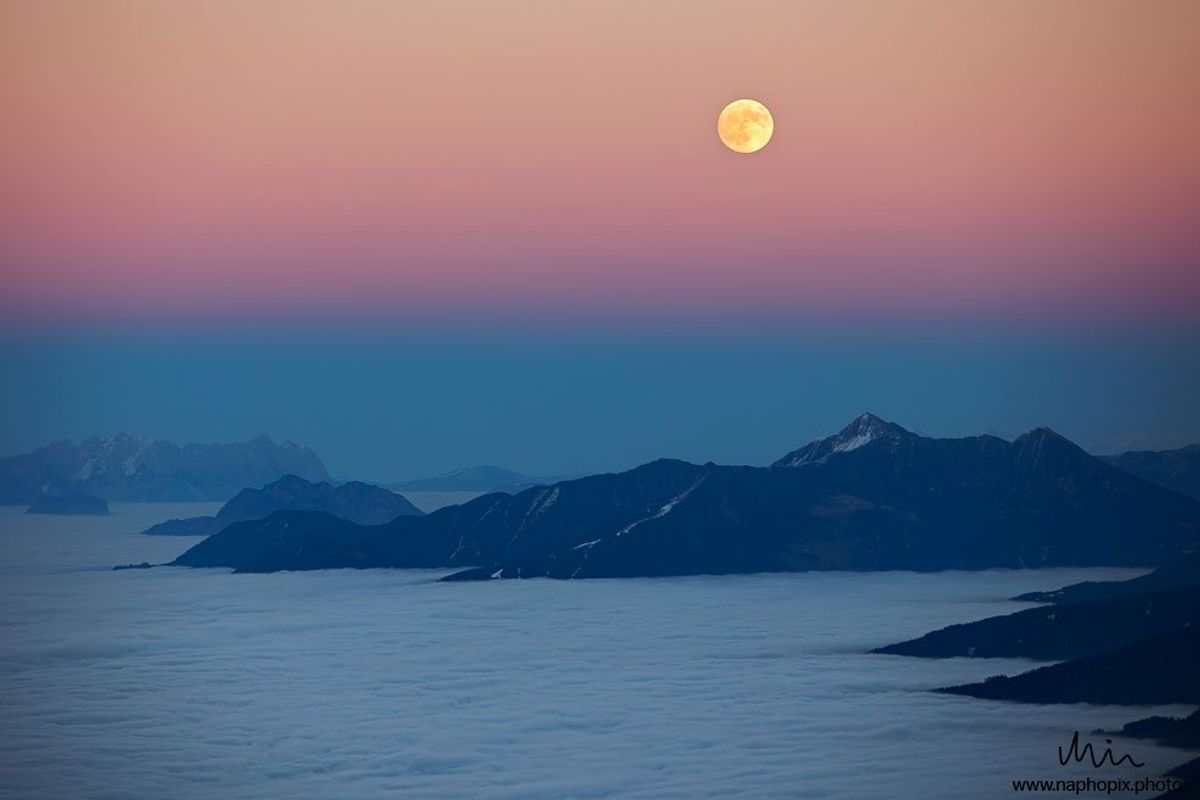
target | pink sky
[{"x": 512, "y": 158}]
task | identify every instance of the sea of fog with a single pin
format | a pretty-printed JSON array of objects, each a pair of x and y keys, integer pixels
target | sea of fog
[{"x": 385, "y": 684}]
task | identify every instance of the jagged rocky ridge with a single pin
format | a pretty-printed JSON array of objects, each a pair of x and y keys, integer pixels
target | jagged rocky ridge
[
  {"x": 128, "y": 468},
  {"x": 874, "y": 496}
]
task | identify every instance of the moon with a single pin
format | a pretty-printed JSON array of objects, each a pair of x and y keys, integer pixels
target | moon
[{"x": 745, "y": 126}]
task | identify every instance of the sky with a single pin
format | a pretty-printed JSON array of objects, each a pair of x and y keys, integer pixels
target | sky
[{"x": 508, "y": 231}]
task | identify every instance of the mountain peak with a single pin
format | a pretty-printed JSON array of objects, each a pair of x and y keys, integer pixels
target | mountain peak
[
  {"x": 1046, "y": 451},
  {"x": 1041, "y": 436},
  {"x": 291, "y": 481},
  {"x": 863, "y": 430},
  {"x": 868, "y": 427}
]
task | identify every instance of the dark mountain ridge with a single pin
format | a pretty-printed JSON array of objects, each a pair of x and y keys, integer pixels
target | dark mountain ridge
[
  {"x": 478, "y": 531},
  {"x": 1056, "y": 632},
  {"x": 1157, "y": 670},
  {"x": 874, "y": 496},
  {"x": 1178, "y": 573},
  {"x": 1183, "y": 732}
]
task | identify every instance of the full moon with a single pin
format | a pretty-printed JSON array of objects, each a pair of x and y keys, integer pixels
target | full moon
[{"x": 745, "y": 126}]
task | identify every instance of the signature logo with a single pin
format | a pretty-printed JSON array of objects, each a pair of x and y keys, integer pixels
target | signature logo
[{"x": 1078, "y": 754}]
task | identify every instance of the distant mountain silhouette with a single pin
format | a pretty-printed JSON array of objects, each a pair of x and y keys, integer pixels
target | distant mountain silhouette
[
  {"x": 873, "y": 497},
  {"x": 1174, "y": 469},
  {"x": 361, "y": 503},
  {"x": 486, "y": 478},
  {"x": 136, "y": 468},
  {"x": 68, "y": 503}
]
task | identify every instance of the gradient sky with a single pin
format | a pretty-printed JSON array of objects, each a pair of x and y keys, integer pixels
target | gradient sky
[
  {"x": 447, "y": 157},
  {"x": 382, "y": 175}
]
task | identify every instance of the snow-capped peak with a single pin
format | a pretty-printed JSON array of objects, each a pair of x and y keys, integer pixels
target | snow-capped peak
[{"x": 862, "y": 431}]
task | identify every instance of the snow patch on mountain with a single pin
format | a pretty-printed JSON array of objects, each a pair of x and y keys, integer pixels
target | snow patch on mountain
[
  {"x": 864, "y": 430},
  {"x": 665, "y": 509}
]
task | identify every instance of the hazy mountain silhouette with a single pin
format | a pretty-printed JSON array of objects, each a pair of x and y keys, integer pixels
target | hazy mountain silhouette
[
  {"x": 136, "y": 468},
  {"x": 361, "y": 503},
  {"x": 485, "y": 478},
  {"x": 1174, "y": 469}
]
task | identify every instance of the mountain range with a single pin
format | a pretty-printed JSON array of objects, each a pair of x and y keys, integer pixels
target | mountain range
[
  {"x": 361, "y": 503},
  {"x": 126, "y": 468},
  {"x": 873, "y": 496}
]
